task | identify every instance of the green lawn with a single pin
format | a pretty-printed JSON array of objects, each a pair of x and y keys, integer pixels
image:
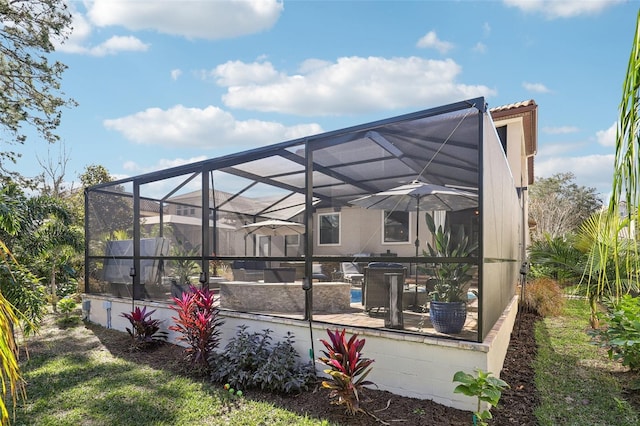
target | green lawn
[
  {"x": 73, "y": 380},
  {"x": 576, "y": 382}
]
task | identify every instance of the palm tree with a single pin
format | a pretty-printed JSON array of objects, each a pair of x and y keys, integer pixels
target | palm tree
[
  {"x": 601, "y": 238},
  {"x": 9, "y": 369},
  {"x": 626, "y": 190}
]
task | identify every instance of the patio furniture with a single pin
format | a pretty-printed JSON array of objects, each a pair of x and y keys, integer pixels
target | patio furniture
[
  {"x": 375, "y": 293},
  {"x": 279, "y": 275},
  {"x": 248, "y": 270},
  {"x": 317, "y": 273},
  {"x": 351, "y": 273}
]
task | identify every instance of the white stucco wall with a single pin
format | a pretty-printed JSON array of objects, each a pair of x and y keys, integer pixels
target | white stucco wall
[{"x": 405, "y": 364}]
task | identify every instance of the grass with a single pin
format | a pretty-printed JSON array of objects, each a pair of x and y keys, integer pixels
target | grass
[
  {"x": 576, "y": 382},
  {"x": 73, "y": 380}
]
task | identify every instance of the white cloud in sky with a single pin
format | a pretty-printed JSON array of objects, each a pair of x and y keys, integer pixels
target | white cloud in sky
[
  {"x": 349, "y": 85},
  {"x": 553, "y": 9},
  {"x": 238, "y": 73},
  {"x": 176, "y": 73},
  {"x": 117, "y": 44},
  {"x": 210, "y": 127},
  {"x": 431, "y": 41},
  {"x": 161, "y": 164},
  {"x": 590, "y": 170},
  {"x": 480, "y": 47},
  {"x": 562, "y": 130},
  {"x": 210, "y": 20},
  {"x": 486, "y": 29},
  {"x": 536, "y": 87},
  {"x": 607, "y": 137},
  {"x": 78, "y": 41}
]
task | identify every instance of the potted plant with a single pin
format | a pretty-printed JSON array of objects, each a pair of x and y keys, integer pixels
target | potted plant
[{"x": 448, "y": 305}]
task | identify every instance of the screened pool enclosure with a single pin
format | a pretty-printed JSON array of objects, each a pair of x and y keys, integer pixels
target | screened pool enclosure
[{"x": 329, "y": 250}]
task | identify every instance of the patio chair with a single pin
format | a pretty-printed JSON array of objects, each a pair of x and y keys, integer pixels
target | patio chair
[
  {"x": 374, "y": 291},
  {"x": 317, "y": 273},
  {"x": 351, "y": 273}
]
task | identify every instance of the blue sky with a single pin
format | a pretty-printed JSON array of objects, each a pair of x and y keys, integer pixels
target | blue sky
[{"x": 162, "y": 83}]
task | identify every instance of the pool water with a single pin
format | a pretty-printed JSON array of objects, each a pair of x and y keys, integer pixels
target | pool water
[{"x": 356, "y": 295}]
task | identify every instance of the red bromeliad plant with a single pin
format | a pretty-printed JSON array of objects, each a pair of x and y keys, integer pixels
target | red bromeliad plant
[
  {"x": 198, "y": 322},
  {"x": 144, "y": 331},
  {"x": 347, "y": 369}
]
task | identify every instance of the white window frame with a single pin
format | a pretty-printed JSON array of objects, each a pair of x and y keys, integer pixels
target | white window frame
[
  {"x": 409, "y": 225},
  {"x": 320, "y": 215}
]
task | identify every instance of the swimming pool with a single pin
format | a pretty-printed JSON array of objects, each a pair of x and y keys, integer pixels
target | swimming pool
[{"x": 356, "y": 295}]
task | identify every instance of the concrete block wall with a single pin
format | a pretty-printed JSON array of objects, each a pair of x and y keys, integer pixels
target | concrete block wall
[{"x": 405, "y": 364}]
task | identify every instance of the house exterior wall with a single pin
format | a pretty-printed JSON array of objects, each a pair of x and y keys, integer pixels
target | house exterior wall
[
  {"x": 408, "y": 365},
  {"x": 361, "y": 232}
]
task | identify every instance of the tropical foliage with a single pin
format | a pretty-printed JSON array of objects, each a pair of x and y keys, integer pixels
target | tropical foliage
[
  {"x": 623, "y": 214},
  {"x": 484, "y": 387},
  {"x": 144, "y": 330},
  {"x": 556, "y": 258},
  {"x": 621, "y": 337},
  {"x": 451, "y": 278},
  {"x": 198, "y": 323},
  {"x": 347, "y": 370},
  {"x": 611, "y": 267}
]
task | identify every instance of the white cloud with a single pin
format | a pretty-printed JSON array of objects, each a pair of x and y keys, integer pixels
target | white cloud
[
  {"x": 607, "y": 137},
  {"x": 175, "y": 74},
  {"x": 117, "y": 44},
  {"x": 78, "y": 41},
  {"x": 562, "y": 9},
  {"x": 486, "y": 29},
  {"x": 161, "y": 164},
  {"x": 480, "y": 47},
  {"x": 536, "y": 87},
  {"x": 431, "y": 41},
  {"x": 192, "y": 19},
  {"x": 237, "y": 73},
  {"x": 562, "y": 130},
  {"x": 350, "y": 85},
  {"x": 210, "y": 127},
  {"x": 593, "y": 171}
]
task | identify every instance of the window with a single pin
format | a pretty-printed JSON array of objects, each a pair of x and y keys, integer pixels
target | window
[
  {"x": 329, "y": 229},
  {"x": 185, "y": 210},
  {"x": 396, "y": 227},
  {"x": 502, "y": 134},
  {"x": 292, "y": 240}
]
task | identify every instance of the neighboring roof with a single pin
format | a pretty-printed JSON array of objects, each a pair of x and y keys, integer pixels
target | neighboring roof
[{"x": 528, "y": 111}]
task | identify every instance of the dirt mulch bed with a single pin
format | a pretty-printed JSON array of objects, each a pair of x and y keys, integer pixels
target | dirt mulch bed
[{"x": 515, "y": 408}]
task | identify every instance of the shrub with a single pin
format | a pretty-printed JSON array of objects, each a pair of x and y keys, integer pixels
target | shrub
[
  {"x": 543, "y": 296},
  {"x": 484, "y": 387},
  {"x": 198, "y": 323},
  {"x": 249, "y": 360},
  {"x": 347, "y": 369},
  {"x": 144, "y": 331},
  {"x": 621, "y": 337},
  {"x": 66, "y": 306}
]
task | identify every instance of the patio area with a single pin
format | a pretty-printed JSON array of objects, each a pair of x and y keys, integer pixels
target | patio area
[{"x": 434, "y": 196}]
